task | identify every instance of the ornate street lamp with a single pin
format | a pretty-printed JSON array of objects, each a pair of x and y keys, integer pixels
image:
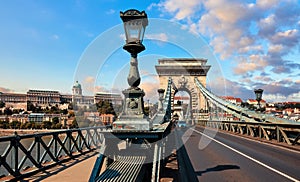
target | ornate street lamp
[
  {"x": 135, "y": 23},
  {"x": 258, "y": 93},
  {"x": 133, "y": 115}
]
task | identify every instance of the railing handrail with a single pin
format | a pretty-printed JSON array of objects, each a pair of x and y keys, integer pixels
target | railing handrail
[
  {"x": 282, "y": 132},
  {"x": 54, "y": 144},
  {"x": 61, "y": 131},
  {"x": 286, "y": 125}
]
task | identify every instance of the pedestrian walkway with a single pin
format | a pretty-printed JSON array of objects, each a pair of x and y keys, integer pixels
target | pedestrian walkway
[
  {"x": 79, "y": 170},
  {"x": 75, "y": 170}
]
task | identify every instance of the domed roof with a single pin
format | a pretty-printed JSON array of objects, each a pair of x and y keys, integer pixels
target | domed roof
[{"x": 77, "y": 85}]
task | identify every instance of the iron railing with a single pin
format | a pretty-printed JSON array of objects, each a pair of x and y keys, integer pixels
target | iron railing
[
  {"x": 284, "y": 133},
  {"x": 25, "y": 155}
]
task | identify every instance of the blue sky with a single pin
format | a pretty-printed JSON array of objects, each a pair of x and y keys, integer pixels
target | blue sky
[{"x": 250, "y": 44}]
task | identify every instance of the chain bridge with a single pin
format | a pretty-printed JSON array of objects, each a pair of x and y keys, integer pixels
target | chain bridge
[{"x": 144, "y": 153}]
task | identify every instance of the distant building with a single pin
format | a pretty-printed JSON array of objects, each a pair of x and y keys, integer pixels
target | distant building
[
  {"x": 270, "y": 109},
  {"x": 111, "y": 97},
  {"x": 107, "y": 119},
  {"x": 92, "y": 116},
  {"x": 236, "y": 101},
  {"x": 104, "y": 119},
  {"x": 255, "y": 103},
  {"x": 288, "y": 111},
  {"x": 49, "y": 97},
  {"x": 41, "y": 117},
  {"x": 77, "y": 90},
  {"x": 22, "y": 118},
  {"x": 14, "y": 100},
  {"x": 78, "y": 98},
  {"x": 65, "y": 98},
  {"x": 36, "y": 117},
  {"x": 43, "y": 97}
]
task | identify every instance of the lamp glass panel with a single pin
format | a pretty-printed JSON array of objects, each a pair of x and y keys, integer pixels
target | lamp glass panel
[{"x": 133, "y": 30}]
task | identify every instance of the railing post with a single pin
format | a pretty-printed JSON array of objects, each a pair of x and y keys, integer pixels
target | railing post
[
  {"x": 277, "y": 134},
  {"x": 79, "y": 140},
  {"x": 259, "y": 131},
  {"x": 16, "y": 155},
  {"x": 248, "y": 131},
  {"x": 55, "y": 136},
  {"x": 38, "y": 148},
  {"x": 70, "y": 142}
]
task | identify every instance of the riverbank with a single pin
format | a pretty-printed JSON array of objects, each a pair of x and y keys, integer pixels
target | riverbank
[{"x": 10, "y": 132}]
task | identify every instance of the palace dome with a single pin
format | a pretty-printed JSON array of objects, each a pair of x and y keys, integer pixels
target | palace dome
[{"x": 77, "y": 85}]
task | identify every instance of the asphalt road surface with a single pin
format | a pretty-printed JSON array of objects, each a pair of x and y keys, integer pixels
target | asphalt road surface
[{"x": 218, "y": 156}]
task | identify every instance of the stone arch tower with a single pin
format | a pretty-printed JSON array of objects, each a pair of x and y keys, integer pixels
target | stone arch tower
[{"x": 183, "y": 71}]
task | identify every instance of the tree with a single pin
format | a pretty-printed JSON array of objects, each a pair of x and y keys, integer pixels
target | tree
[
  {"x": 105, "y": 107},
  {"x": 8, "y": 111},
  {"x": 64, "y": 111},
  {"x": 4, "y": 124},
  {"x": 71, "y": 114},
  {"x": 70, "y": 106},
  {"x": 28, "y": 125},
  {"x": 55, "y": 120},
  {"x": 74, "y": 124},
  {"x": 2, "y": 104},
  {"x": 46, "y": 124},
  {"x": 14, "y": 124},
  {"x": 54, "y": 109},
  {"x": 30, "y": 106}
]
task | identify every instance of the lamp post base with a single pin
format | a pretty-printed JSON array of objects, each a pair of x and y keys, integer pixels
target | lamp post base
[{"x": 132, "y": 116}]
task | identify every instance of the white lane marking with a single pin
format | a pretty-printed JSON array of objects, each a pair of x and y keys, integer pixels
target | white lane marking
[{"x": 248, "y": 157}]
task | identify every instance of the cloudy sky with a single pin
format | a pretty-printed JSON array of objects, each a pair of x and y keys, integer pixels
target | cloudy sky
[{"x": 253, "y": 44}]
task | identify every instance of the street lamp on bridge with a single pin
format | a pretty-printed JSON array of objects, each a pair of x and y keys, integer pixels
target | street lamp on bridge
[
  {"x": 258, "y": 93},
  {"x": 133, "y": 116},
  {"x": 135, "y": 23}
]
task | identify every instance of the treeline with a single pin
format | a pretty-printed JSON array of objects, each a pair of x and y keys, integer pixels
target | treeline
[{"x": 33, "y": 108}]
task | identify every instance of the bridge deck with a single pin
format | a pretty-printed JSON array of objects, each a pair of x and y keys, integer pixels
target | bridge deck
[
  {"x": 125, "y": 168},
  {"x": 75, "y": 170}
]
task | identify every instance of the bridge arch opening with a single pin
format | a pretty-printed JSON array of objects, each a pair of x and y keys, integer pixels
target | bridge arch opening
[{"x": 182, "y": 104}]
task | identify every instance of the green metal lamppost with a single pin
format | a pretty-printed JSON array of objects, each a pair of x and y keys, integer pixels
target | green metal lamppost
[{"x": 258, "y": 93}]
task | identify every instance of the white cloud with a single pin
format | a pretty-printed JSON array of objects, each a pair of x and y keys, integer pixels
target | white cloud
[
  {"x": 275, "y": 48},
  {"x": 180, "y": 8},
  {"x": 274, "y": 97},
  {"x": 55, "y": 37},
  {"x": 251, "y": 48},
  {"x": 254, "y": 62},
  {"x": 294, "y": 97},
  {"x": 111, "y": 11},
  {"x": 99, "y": 88},
  {"x": 161, "y": 36},
  {"x": 264, "y": 4},
  {"x": 89, "y": 79},
  {"x": 286, "y": 37}
]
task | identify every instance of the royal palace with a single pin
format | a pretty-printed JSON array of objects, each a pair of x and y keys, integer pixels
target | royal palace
[{"x": 45, "y": 98}]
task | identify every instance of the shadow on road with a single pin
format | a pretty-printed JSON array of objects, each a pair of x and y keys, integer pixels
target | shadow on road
[{"x": 218, "y": 168}]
